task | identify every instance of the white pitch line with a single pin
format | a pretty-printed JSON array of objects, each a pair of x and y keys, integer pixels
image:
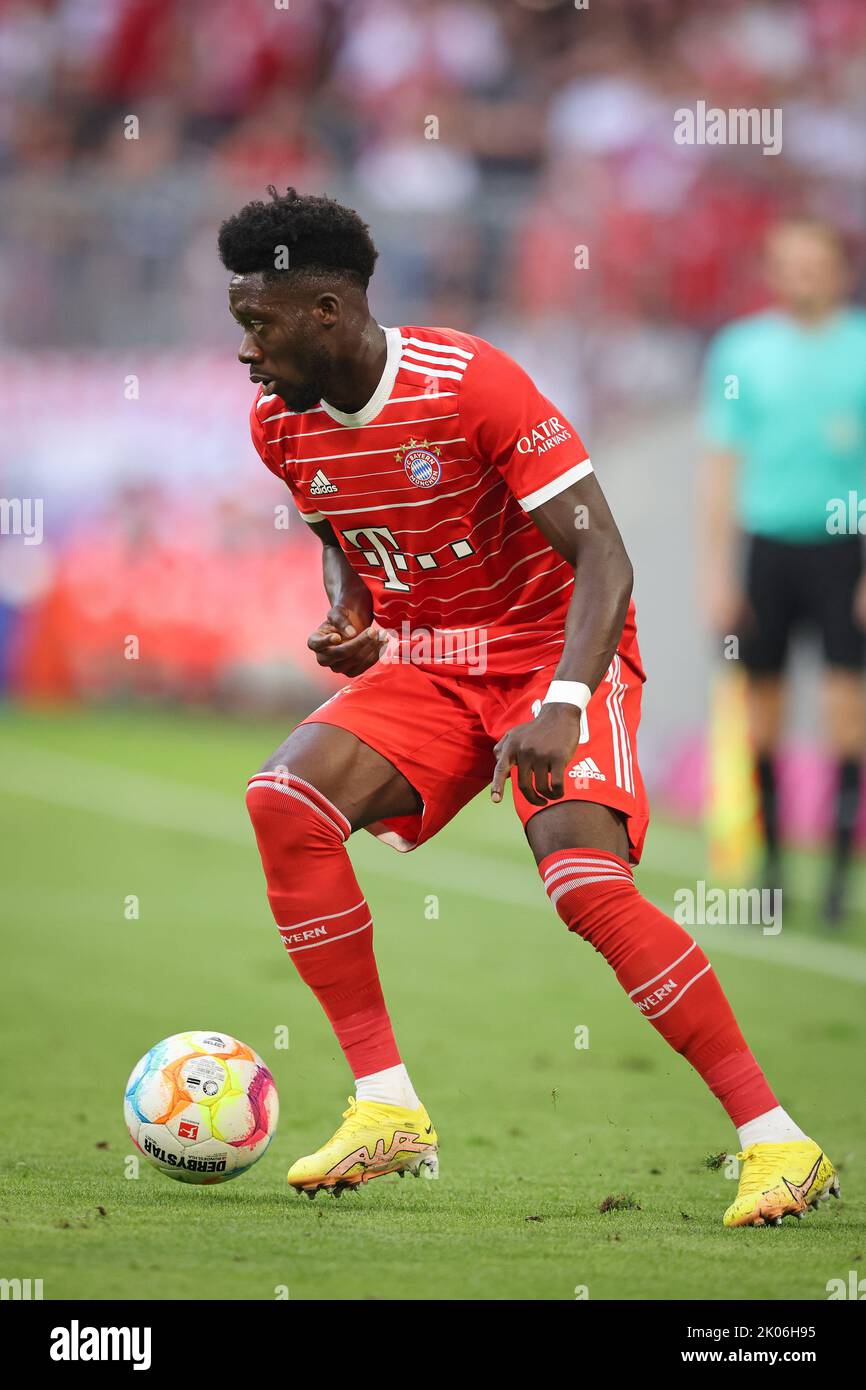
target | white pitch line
[{"x": 60, "y": 779}]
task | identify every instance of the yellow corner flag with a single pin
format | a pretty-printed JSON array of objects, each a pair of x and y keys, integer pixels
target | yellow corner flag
[{"x": 732, "y": 808}]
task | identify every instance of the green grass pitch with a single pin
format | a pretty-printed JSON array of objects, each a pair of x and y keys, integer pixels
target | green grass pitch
[{"x": 486, "y": 997}]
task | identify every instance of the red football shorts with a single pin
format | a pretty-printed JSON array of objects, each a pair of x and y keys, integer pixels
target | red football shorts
[{"x": 440, "y": 732}]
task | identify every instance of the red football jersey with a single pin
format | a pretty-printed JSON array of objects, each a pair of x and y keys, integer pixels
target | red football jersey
[{"x": 430, "y": 489}]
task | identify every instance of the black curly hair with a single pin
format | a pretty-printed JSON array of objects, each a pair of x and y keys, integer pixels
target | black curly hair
[{"x": 321, "y": 237}]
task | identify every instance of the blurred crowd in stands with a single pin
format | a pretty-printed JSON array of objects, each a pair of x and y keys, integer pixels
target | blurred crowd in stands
[{"x": 484, "y": 140}]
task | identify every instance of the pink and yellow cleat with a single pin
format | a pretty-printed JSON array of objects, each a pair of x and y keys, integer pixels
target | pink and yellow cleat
[
  {"x": 780, "y": 1180},
  {"x": 373, "y": 1140}
]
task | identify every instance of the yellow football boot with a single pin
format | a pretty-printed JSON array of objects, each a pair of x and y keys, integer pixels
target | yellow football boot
[
  {"x": 781, "y": 1180},
  {"x": 373, "y": 1140}
]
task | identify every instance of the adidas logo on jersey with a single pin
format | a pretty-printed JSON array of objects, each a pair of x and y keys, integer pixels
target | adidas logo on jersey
[
  {"x": 321, "y": 484},
  {"x": 587, "y": 767}
]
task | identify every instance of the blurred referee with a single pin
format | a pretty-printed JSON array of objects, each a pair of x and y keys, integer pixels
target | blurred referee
[{"x": 785, "y": 420}]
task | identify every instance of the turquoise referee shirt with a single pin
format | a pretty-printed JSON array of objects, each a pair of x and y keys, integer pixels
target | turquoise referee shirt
[{"x": 791, "y": 402}]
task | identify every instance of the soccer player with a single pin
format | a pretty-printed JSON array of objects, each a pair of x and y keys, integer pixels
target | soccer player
[
  {"x": 480, "y": 604},
  {"x": 785, "y": 397}
]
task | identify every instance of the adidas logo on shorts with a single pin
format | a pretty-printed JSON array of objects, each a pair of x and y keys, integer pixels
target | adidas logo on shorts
[
  {"x": 587, "y": 767},
  {"x": 321, "y": 484}
]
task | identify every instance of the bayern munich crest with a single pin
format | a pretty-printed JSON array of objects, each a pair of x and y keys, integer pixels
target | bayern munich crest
[{"x": 421, "y": 462}]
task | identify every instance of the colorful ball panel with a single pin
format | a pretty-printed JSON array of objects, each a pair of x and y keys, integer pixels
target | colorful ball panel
[{"x": 201, "y": 1106}]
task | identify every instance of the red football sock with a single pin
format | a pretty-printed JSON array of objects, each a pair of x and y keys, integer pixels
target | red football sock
[
  {"x": 321, "y": 913},
  {"x": 662, "y": 969}
]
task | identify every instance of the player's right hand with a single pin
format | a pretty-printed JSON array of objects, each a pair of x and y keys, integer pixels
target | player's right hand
[{"x": 344, "y": 644}]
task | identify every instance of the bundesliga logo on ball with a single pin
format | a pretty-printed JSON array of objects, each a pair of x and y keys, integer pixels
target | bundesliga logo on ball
[{"x": 420, "y": 461}]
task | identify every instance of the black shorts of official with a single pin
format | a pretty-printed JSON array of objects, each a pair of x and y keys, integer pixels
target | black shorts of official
[{"x": 792, "y": 587}]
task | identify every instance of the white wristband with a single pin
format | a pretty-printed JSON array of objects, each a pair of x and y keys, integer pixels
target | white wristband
[{"x": 568, "y": 693}]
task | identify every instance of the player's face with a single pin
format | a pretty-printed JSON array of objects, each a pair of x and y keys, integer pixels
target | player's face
[
  {"x": 282, "y": 343},
  {"x": 805, "y": 270}
]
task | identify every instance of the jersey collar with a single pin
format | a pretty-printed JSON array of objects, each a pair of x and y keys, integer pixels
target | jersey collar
[{"x": 394, "y": 351}]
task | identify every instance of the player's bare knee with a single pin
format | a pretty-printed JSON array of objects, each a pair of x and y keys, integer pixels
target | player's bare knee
[{"x": 279, "y": 761}]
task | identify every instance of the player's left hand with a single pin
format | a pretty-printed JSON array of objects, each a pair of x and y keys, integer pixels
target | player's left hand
[
  {"x": 541, "y": 751},
  {"x": 345, "y": 644}
]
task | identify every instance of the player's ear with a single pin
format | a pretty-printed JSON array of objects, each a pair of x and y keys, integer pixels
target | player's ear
[{"x": 328, "y": 308}]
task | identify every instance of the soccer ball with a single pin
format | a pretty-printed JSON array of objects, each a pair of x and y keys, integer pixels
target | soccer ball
[{"x": 202, "y": 1107}]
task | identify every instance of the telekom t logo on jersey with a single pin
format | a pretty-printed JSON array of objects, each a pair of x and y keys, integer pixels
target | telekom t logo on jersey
[
  {"x": 544, "y": 436},
  {"x": 380, "y": 546}
]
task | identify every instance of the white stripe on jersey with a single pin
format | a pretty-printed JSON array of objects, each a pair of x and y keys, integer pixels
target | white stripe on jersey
[
  {"x": 530, "y": 603},
  {"x": 439, "y": 347},
  {"x": 433, "y": 358},
  {"x": 355, "y": 453},
  {"x": 557, "y": 485},
  {"x": 453, "y": 521},
  {"x": 401, "y": 472},
  {"x": 425, "y": 396},
  {"x": 430, "y": 370},
  {"x": 505, "y": 637},
  {"x": 488, "y": 588},
  {"x": 407, "y": 608},
  {"x": 382, "y": 425},
  {"x": 478, "y": 556},
  {"x": 394, "y": 400},
  {"x": 425, "y": 502},
  {"x": 383, "y": 492}
]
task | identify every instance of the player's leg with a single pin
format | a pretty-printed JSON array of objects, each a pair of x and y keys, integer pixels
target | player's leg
[
  {"x": 773, "y": 592},
  {"x": 321, "y": 784},
  {"x": 837, "y": 571},
  {"x": 360, "y": 761},
  {"x": 766, "y": 704},
  {"x": 581, "y": 850},
  {"x": 318, "y": 787},
  {"x": 845, "y": 716},
  {"x": 584, "y": 845}
]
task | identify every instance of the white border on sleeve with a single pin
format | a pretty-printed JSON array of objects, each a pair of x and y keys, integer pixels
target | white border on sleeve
[
  {"x": 312, "y": 518},
  {"x": 557, "y": 485}
]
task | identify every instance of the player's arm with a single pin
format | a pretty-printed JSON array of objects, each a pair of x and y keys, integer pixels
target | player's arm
[
  {"x": 725, "y": 426},
  {"x": 719, "y": 532},
  {"x": 542, "y": 749},
  {"x": 345, "y": 641}
]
